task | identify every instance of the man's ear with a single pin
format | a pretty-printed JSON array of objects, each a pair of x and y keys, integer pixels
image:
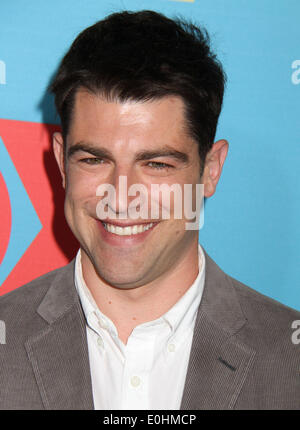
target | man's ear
[
  {"x": 214, "y": 161},
  {"x": 58, "y": 148}
]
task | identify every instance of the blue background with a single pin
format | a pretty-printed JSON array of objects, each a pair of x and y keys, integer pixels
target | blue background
[{"x": 252, "y": 222}]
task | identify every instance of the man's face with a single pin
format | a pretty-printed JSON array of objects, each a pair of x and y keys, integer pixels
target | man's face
[{"x": 146, "y": 142}]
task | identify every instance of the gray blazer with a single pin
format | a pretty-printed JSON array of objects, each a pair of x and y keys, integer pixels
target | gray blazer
[{"x": 242, "y": 354}]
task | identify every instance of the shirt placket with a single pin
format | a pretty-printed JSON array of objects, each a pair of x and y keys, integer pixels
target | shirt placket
[{"x": 139, "y": 355}]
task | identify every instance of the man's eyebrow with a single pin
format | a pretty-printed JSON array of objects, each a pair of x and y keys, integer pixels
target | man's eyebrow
[
  {"x": 140, "y": 156},
  {"x": 164, "y": 152},
  {"x": 90, "y": 148}
]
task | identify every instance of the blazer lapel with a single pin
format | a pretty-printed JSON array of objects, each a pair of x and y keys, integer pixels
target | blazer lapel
[
  {"x": 219, "y": 362},
  {"x": 59, "y": 353}
]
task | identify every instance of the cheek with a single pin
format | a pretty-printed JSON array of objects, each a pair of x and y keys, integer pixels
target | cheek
[
  {"x": 80, "y": 188},
  {"x": 175, "y": 232}
]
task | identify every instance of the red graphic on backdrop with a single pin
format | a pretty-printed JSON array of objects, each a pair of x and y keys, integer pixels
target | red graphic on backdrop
[
  {"x": 5, "y": 225},
  {"x": 29, "y": 146}
]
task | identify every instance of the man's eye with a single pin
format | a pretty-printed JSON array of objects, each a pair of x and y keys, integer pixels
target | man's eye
[
  {"x": 91, "y": 160},
  {"x": 158, "y": 165}
]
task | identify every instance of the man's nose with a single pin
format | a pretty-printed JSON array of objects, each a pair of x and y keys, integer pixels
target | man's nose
[{"x": 122, "y": 180}]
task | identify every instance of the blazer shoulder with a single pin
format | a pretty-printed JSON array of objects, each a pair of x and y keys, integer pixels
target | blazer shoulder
[
  {"x": 270, "y": 324},
  {"x": 252, "y": 299},
  {"x": 28, "y": 296},
  {"x": 253, "y": 304},
  {"x": 271, "y": 332}
]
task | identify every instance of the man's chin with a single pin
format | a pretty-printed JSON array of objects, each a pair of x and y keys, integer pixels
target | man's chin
[{"x": 124, "y": 282}]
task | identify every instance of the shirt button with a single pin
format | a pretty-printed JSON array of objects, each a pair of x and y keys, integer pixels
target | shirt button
[
  {"x": 103, "y": 323},
  {"x": 100, "y": 341},
  {"x": 171, "y": 347},
  {"x": 135, "y": 381}
]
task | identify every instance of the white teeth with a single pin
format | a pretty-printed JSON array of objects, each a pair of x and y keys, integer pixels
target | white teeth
[{"x": 128, "y": 230}]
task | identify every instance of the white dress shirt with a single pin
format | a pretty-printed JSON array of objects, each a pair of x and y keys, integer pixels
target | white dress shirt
[{"x": 149, "y": 371}]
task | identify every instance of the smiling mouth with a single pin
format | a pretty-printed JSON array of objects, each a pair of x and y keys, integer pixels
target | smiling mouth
[{"x": 127, "y": 230}]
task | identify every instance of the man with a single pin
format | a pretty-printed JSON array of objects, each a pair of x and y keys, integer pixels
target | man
[{"x": 143, "y": 318}]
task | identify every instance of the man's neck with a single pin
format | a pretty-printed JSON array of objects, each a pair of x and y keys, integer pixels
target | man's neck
[{"x": 128, "y": 308}]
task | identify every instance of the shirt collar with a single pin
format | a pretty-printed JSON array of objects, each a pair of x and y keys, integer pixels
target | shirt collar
[
  {"x": 180, "y": 317},
  {"x": 183, "y": 313}
]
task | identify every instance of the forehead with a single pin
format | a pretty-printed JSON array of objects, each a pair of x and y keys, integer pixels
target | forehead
[{"x": 156, "y": 121}]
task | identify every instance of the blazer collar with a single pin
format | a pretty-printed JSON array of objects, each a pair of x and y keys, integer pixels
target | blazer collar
[
  {"x": 61, "y": 295},
  {"x": 218, "y": 365},
  {"x": 219, "y": 360},
  {"x": 59, "y": 353},
  {"x": 220, "y": 303}
]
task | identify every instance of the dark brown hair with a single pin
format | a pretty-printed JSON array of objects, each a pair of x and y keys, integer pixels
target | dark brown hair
[{"x": 145, "y": 56}]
